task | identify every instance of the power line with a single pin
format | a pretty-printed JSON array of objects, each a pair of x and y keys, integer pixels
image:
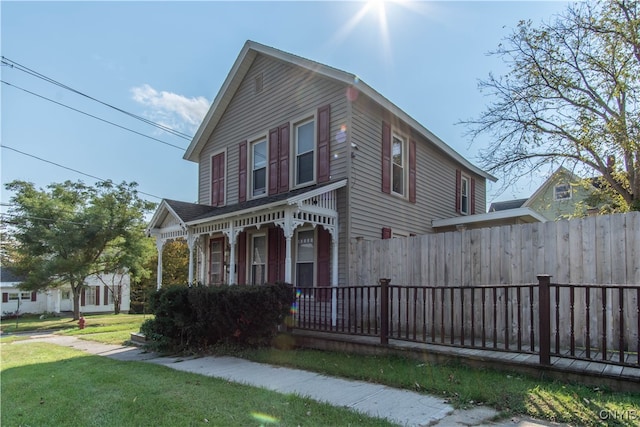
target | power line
[
  {"x": 68, "y": 168},
  {"x": 42, "y": 219},
  {"x": 92, "y": 116},
  {"x": 34, "y": 73}
]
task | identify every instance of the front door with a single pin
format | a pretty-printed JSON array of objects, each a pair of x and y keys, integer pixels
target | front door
[{"x": 216, "y": 266}]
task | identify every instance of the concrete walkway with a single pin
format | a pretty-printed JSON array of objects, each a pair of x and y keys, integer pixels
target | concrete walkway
[{"x": 402, "y": 407}]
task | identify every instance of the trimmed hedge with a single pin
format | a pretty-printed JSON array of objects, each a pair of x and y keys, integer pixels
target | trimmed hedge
[{"x": 200, "y": 316}]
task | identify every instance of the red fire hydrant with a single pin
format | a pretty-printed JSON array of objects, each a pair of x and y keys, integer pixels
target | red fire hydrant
[{"x": 81, "y": 322}]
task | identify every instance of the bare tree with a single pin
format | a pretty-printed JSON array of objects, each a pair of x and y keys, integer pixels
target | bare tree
[{"x": 571, "y": 96}]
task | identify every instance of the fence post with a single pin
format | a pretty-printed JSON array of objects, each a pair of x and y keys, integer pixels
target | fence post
[
  {"x": 384, "y": 311},
  {"x": 544, "y": 318}
]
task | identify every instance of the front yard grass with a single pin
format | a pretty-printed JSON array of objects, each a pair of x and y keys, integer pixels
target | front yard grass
[
  {"x": 465, "y": 387},
  {"x": 49, "y": 385},
  {"x": 104, "y": 328}
]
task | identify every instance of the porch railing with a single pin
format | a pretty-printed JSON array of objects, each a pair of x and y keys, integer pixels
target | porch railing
[{"x": 588, "y": 322}]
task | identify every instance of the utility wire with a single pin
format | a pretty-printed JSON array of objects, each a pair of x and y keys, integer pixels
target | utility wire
[
  {"x": 92, "y": 116},
  {"x": 34, "y": 73},
  {"x": 42, "y": 219},
  {"x": 68, "y": 168}
]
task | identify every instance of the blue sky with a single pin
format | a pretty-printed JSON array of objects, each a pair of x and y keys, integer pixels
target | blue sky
[{"x": 166, "y": 61}]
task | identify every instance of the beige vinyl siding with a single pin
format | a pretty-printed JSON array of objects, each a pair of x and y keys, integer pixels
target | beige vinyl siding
[
  {"x": 371, "y": 209},
  {"x": 288, "y": 93}
]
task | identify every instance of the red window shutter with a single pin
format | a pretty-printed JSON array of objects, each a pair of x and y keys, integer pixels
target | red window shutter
[
  {"x": 386, "y": 233},
  {"x": 473, "y": 196},
  {"x": 5, "y": 297},
  {"x": 242, "y": 258},
  {"x": 283, "y": 166},
  {"x": 214, "y": 181},
  {"x": 324, "y": 257},
  {"x": 324, "y": 141},
  {"x": 106, "y": 295},
  {"x": 273, "y": 160},
  {"x": 34, "y": 296},
  {"x": 276, "y": 253},
  {"x": 83, "y": 298},
  {"x": 97, "y": 295},
  {"x": 242, "y": 172},
  {"x": 221, "y": 179},
  {"x": 324, "y": 263},
  {"x": 458, "y": 189},
  {"x": 412, "y": 171},
  {"x": 386, "y": 158},
  {"x": 217, "y": 180}
]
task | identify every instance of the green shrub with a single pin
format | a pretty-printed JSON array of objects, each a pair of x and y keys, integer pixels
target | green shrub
[{"x": 201, "y": 316}]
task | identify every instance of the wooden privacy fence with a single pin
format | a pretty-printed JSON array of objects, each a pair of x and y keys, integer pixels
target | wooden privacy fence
[
  {"x": 589, "y": 322},
  {"x": 602, "y": 249}
]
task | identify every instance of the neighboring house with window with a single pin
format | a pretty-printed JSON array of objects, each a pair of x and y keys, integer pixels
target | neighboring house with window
[
  {"x": 555, "y": 199},
  {"x": 96, "y": 297},
  {"x": 296, "y": 159}
]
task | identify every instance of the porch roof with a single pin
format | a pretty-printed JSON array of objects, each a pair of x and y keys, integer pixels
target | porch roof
[
  {"x": 188, "y": 214},
  {"x": 490, "y": 219}
]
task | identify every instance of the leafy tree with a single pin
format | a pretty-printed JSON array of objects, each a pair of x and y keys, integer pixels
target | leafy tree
[
  {"x": 175, "y": 271},
  {"x": 125, "y": 257},
  {"x": 572, "y": 96},
  {"x": 71, "y": 231}
]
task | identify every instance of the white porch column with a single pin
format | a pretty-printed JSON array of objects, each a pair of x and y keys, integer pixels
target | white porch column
[
  {"x": 334, "y": 274},
  {"x": 289, "y": 225},
  {"x": 232, "y": 235},
  {"x": 202, "y": 250},
  {"x": 159, "y": 246},
  {"x": 287, "y": 259},
  {"x": 191, "y": 243}
]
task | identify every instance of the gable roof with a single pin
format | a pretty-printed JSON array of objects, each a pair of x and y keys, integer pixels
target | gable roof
[
  {"x": 8, "y": 275},
  {"x": 241, "y": 66},
  {"x": 545, "y": 185}
]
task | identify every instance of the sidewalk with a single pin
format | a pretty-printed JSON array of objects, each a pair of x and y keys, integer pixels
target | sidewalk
[{"x": 403, "y": 407}]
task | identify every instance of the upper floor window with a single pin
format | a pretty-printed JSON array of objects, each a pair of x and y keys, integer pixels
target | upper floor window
[
  {"x": 399, "y": 163},
  {"x": 259, "y": 167},
  {"x": 399, "y": 167},
  {"x": 562, "y": 192},
  {"x": 464, "y": 195},
  {"x": 304, "y": 134}
]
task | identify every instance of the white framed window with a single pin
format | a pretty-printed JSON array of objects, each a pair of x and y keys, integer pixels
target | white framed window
[
  {"x": 25, "y": 296},
  {"x": 216, "y": 261},
  {"x": 66, "y": 295},
  {"x": 305, "y": 257},
  {"x": 562, "y": 192},
  {"x": 399, "y": 169},
  {"x": 464, "y": 195},
  {"x": 305, "y": 151},
  {"x": 259, "y": 168},
  {"x": 14, "y": 296},
  {"x": 258, "y": 259},
  {"x": 90, "y": 295}
]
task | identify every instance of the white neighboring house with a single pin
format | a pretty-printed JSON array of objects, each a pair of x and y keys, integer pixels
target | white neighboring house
[{"x": 95, "y": 298}]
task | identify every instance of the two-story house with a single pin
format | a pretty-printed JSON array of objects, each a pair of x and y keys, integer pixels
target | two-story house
[{"x": 297, "y": 158}]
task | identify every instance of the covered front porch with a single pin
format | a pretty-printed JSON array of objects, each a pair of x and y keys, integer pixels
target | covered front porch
[{"x": 290, "y": 238}]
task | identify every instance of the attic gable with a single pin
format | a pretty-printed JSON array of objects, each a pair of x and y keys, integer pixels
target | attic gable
[{"x": 243, "y": 64}]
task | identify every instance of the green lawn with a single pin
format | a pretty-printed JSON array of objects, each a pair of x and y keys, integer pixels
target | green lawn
[
  {"x": 49, "y": 385},
  {"x": 105, "y": 328},
  {"x": 462, "y": 386}
]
